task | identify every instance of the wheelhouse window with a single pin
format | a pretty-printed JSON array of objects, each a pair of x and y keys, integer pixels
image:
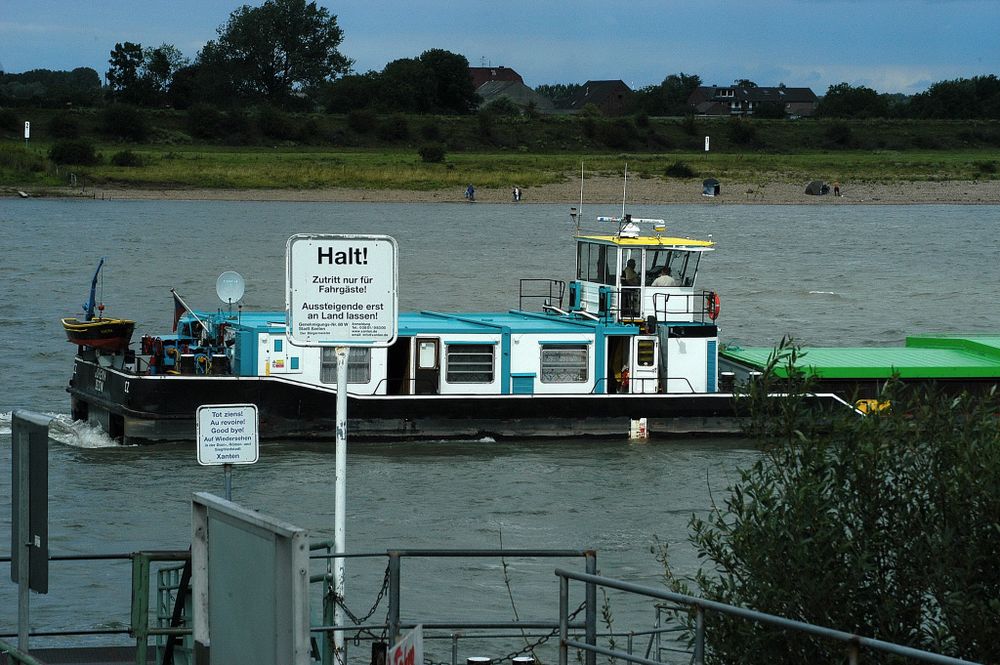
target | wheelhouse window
[
  {"x": 564, "y": 363},
  {"x": 596, "y": 263},
  {"x": 359, "y": 365},
  {"x": 683, "y": 265},
  {"x": 469, "y": 363}
]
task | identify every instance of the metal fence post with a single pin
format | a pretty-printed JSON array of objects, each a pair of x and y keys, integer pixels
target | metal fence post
[
  {"x": 140, "y": 605},
  {"x": 591, "y": 612},
  {"x": 563, "y": 619},
  {"x": 699, "y": 635},
  {"x": 393, "y": 597},
  {"x": 329, "y": 612}
]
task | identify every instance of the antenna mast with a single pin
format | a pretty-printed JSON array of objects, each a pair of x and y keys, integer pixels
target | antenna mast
[{"x": 624, "y": 190}]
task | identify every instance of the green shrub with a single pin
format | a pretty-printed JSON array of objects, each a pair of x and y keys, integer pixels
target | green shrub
[
  {"x": 394, "y": 128},
  {"x": 986, "y": 167},
  {"x": 17, "y": 158},
  {"x": 689, "y": 126},
  {"x": 127, "y": 158},
  {"x": 878, "y": 525},
  {"x": 362, "y": 121},
  {"x": 9, "y": 121},
  {"x": 839, "y": 135},
  {"x": 681, "y": 170},
  {"x": 73, "y": 151},
  {"x": 742, "y": 132},
  {"x": 430, "y": 132},
  {"x": 124, "y": 121},
  {"x": 64, "y": 126},
  {"x": 276, "y": 124},
  {"x": 502, "y": 106},
  {"x": 616, "y": 133},
  {"x": 205, "y": 121},
  {"x": 432, "y": 153}
]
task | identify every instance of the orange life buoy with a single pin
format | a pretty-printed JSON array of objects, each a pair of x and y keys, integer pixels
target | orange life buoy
[{"x": 712, "y": 305}]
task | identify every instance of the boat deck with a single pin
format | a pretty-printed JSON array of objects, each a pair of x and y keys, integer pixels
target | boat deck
[{"x": 923, "y": 357}]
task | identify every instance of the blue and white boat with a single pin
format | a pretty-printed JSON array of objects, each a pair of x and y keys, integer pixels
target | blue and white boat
[{"x": 612, "y": 350}]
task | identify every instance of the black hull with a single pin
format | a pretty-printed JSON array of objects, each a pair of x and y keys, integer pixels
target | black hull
[{"x": 146, "y": 409}]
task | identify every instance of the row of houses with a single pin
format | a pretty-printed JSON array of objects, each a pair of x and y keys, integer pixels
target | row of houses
[{"x": 612, "y": 97}]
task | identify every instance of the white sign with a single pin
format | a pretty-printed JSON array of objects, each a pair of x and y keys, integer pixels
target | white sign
[
  {"x": 706, "y": 144},
  {"x": 27, "y": 130},
  {"x": 341, "y": 290},
  {"x": 227, "y": 434},
  {"x": 409, "y": 650}
]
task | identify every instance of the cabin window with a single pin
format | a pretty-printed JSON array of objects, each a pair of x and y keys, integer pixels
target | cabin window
[
  {"x": 359, "y": 365},
  {"x": 646, "y": 355},
  {"x": 278, "y": 346},
  {"x": 469, "y": 363},
  {"x": 564, "y": 363}
]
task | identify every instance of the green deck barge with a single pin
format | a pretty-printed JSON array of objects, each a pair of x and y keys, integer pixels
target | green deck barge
[{"x": 959, "y": 361}]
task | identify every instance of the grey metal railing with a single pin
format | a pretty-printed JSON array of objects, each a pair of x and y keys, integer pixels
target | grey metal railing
[{"x": 852, "y": 643}]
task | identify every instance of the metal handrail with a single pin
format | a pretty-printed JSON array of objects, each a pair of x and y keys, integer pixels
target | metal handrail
[
  {"x": 552, "y": 295},
  {"x": 700, "y": 605}
]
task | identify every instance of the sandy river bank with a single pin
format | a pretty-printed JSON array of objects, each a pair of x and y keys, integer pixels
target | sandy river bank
[{"x": 596, "y": 190}]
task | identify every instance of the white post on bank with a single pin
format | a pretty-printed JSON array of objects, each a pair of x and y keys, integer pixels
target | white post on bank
[{"x": 341, "y": 292}]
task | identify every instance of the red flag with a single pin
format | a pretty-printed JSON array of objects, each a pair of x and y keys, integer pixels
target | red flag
[{"x": 179, "y": 308}]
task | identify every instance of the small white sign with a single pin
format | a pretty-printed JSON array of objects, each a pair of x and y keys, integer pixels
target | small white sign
[
  {"x": 706, "y": 144},
  {"x": 27, "y": 130},
  {"x": 341, "y": 290},
  {"x": 409, "y": 650},
  {"x": 227, "y": 434}
]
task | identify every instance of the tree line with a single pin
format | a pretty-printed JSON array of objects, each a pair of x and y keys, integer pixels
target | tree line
[{"x": 285, "y": 53}]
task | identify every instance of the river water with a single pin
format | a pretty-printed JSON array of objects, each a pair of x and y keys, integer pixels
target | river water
[{"x": 828, "y": 275}]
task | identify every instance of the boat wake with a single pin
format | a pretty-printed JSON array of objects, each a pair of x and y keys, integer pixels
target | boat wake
[
  {"x": 69, "y": 432},
  {"x": 78, "y": 433}
]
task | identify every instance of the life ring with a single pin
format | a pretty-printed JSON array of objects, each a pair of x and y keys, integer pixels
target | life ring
[
  {"x": 712, "y": 305},
  {"x": 202, "y": 364}
]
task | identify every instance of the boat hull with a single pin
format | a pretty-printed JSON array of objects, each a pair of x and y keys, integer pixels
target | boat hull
[
  {"x": 105, "y": 334},
  {"x": 148, "y": 409}
]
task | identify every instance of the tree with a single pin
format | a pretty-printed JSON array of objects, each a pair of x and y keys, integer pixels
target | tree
[
  {"x": 407, "y": 85},
  {"x": 978, "y": 97},
  {"x": 123, "y": 75},
  {"x": 160, "y": 65},
  {"x": 453, "y": 90},
  {"x": 886, "y": 525},
  {"x": 270, "y": 52},
  {"x": 669, "y": 97},
  {"x": 846, "y": 101},
  {"x": 561, "y": 94}
]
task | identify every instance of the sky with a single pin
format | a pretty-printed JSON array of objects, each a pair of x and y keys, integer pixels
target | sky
[{"x": 889, "y": 45}]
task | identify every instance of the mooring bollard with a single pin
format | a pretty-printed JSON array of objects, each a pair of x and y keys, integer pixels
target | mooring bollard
[
  {"x": 727, "y": 381},
  {"x": 524, "y": 660},
  {"x": 478, "y": 660}
]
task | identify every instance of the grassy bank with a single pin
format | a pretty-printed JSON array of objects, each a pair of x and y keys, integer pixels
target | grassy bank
[
  {"x": 314, "y": 151},
  {"x": 314, "y": 168}
]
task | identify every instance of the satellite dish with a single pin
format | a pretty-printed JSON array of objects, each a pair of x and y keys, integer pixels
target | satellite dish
[{"x": 230, "y": 287}]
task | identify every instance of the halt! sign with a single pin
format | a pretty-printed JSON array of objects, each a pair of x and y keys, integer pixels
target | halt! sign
[
  {"x": 341, "y": 290},
  {"x": 409, "y": 650}
]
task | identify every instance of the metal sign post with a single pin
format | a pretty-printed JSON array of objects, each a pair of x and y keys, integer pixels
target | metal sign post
[
  {"x": 341, "y": 292},
  {"x": 29, "y": 566}
]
